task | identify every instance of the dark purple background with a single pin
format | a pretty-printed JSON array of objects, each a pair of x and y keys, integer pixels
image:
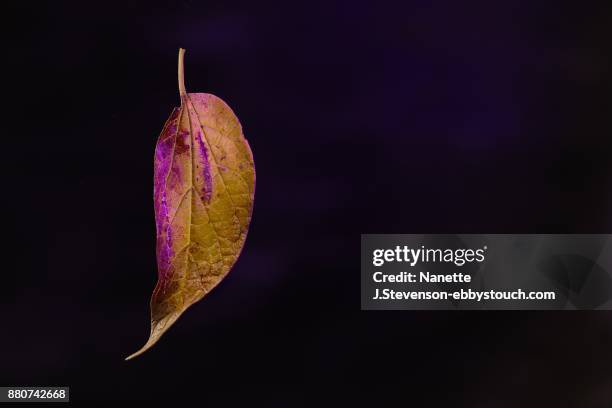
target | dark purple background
[{"x": 364, "y": 117}]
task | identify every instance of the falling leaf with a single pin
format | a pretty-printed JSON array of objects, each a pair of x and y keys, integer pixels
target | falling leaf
[{"x": 204, "y": 187}]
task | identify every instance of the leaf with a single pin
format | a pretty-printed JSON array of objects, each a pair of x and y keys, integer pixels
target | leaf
[{"x": 204, "y": 187}]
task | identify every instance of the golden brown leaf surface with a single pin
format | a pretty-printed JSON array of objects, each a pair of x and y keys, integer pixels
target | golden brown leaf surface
[{"x": 204, "y": 187}]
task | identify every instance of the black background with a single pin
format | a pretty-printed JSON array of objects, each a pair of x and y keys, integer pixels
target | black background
[{"x": 364, "y": 117}]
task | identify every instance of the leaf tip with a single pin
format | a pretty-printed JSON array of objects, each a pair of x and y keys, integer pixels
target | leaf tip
[
  {"x": 150, "y": 342},
  {"x": 144, "y": 348},
  {"x": 158, "y": 327},
  {"x": 136, "y": 354}
]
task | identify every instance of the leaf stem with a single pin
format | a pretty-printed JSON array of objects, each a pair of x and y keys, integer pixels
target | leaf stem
[{"x": 181, "y": 73}]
